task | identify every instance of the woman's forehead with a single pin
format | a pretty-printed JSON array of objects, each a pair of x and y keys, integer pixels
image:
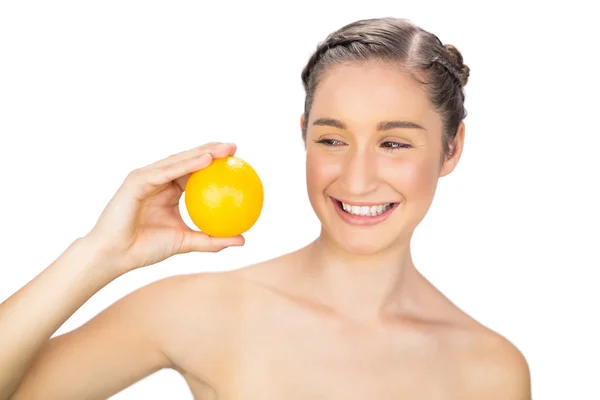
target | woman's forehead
[{"x": 371, "y": 92}]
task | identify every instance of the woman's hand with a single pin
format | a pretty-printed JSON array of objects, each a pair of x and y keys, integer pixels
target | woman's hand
[{"x": 141, "y": 225}]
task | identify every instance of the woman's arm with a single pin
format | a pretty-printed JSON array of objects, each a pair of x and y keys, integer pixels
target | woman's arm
[
  {"x": 140, "y": 226},
  {"x": 101, "y": 358},
  {"x": 30, "y": 316}
]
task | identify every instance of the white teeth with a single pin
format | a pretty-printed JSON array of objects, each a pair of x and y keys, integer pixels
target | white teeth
[{"x": 366, "y": 211}]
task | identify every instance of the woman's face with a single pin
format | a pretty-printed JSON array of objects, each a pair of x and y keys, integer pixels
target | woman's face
[{"x": 373, "y": 148}]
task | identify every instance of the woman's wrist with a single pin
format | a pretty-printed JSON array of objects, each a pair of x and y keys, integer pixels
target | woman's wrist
[{"x": 94, "y": 259}]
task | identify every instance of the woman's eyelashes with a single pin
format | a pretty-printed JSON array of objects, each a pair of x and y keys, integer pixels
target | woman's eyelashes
[
  {"x": 330, "y": 142},
  {"x": 393, "y": 146},
  {"x": 387, "y": 145}
]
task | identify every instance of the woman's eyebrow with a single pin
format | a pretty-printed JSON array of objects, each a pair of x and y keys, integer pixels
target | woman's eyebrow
[{"x": 382, "y": 126}]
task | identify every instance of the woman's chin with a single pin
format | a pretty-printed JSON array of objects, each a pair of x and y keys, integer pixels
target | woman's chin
[{"x": 362, "y": 245}]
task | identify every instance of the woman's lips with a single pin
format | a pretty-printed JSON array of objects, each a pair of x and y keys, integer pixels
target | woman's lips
[{"x": 364, "y": 220}]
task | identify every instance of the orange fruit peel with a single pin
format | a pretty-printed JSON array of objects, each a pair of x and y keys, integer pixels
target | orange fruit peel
[{"x": 226, "y": 198}]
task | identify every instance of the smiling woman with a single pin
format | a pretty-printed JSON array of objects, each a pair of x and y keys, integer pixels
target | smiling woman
[
  {"x": 377, "y": 138},
  {"x": 348, "y": 316}
]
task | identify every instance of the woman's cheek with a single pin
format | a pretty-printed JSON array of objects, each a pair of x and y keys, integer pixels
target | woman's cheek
[{"x": 411, "y": 177}]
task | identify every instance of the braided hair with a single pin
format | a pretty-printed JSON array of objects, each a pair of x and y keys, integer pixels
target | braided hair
[{"x": 399, "y": 41}]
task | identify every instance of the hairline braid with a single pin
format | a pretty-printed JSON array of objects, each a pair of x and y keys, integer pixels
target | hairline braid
[{"x": 333, "y": 41}]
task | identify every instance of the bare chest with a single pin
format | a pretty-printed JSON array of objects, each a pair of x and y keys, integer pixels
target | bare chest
[
  {"x": 302, "y": 359},
  {"x": 304, "y": 377}
]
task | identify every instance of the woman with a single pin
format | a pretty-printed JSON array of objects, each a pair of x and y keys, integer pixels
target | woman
[{"x": 346, "y": 317}]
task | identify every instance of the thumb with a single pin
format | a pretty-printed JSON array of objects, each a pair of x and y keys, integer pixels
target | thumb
[{"x": 194, "y": 241}]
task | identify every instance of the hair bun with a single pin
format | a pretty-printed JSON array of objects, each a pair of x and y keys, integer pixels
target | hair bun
[{"x": 457, "y": 58}]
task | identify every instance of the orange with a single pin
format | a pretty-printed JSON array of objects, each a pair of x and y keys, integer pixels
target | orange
[{"x": 224, "y": 199}]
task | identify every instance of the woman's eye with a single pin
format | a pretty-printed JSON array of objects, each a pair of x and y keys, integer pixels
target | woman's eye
[
  {"x": 330, "y": 142},
  {"x": 391, "y": 146}
]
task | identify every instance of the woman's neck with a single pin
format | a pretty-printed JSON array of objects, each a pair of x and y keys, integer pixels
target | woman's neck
[{"x": 362, "y": 287}]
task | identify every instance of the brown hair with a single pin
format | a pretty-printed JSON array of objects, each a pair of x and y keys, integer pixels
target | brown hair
[{"x": 420, "y": 53}]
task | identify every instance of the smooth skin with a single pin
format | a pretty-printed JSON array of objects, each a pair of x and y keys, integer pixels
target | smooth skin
[{"x": 347, "y": 316}]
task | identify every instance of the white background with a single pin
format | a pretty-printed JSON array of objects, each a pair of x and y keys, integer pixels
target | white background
[{"x": 91, "y": 90}]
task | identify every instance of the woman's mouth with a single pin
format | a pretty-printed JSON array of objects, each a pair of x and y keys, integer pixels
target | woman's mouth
[{"x": 363, "y": 213}]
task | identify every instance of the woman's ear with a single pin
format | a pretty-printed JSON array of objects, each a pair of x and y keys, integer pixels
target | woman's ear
[
  {"x": 456, "y": 148},
  {"x": 302, "y": 130}
]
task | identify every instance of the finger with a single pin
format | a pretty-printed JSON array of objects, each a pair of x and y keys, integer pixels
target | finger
[
  {"x": 218, "y": 150},
  {"x": 147, "y": 179},
  {"x": 178, "y": 170},
  {"x": 201, "y": 242},
  {"x": 143, "y": 182},
  {"x": 223, "y": 150},
  {"x": 193, "y": 152},
  {"x": 228, "y": 149}
]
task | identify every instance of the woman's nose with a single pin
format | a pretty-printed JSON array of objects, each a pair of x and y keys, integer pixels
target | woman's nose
[{"x": 359, "y": 173}]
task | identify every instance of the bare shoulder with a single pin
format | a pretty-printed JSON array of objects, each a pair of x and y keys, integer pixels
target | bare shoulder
[
  {"x": 488, "y": 364},
  {"x": 194, "y": 319},
  {"x": 167, "y": 308},
  {"x": 216, "y": 296},
  {"x": 179, "y": 290},
  {"x": 173, "y": 297},
  {"x": 493, "y": 367},
  {"x": 178, "y": 301}
]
